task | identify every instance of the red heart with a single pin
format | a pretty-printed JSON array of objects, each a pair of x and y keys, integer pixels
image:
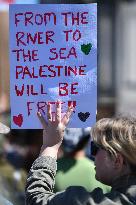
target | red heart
[{"x": 18, "y": 120}]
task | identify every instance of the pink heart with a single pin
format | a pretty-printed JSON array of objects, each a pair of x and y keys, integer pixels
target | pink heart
[{"x": 18, "y": 120}]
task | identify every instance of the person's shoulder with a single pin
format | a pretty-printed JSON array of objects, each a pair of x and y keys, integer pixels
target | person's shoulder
[
  {"x": 83, "y": 196},
  {"x": 79, "y": 195},
  {"x": 78, "y": 192},
  {"x": 88, "y": 162}
]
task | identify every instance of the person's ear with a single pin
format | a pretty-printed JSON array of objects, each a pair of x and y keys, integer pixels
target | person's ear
[{"x": 118, "y": 161}]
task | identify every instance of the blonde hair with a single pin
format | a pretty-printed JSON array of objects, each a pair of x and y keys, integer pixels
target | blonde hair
[{"x": 117, "y": 135}]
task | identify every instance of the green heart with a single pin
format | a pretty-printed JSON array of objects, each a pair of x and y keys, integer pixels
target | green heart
[{"x": 85, "y": 48}]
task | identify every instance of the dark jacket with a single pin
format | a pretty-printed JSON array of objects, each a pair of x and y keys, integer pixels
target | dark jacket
[{"x": 40, "y": 183}]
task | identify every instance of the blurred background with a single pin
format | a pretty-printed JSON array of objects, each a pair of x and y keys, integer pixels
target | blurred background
[{"x": 116, "y": 78}]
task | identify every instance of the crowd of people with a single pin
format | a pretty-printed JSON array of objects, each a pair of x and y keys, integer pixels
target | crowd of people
[
  {"x": 64, "y": 172},
  {"x": 114, "y": 150}
]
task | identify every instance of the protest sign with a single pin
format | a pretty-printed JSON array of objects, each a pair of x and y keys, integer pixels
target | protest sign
[{"x": 53, "y": 56}]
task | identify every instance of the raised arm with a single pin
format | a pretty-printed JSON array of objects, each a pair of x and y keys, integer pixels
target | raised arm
[{"x": 40, "y": 182}]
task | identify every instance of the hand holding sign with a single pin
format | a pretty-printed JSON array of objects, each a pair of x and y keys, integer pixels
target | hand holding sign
[{"x": 54, "y": 128}]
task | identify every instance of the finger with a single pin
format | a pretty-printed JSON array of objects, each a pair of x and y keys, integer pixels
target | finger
[
  {"x": 42, "y": 120},
  {"x": 49, "y": 111},
  {"x": 58, "y": 111},
  {"x": 66, "y": 117}
]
